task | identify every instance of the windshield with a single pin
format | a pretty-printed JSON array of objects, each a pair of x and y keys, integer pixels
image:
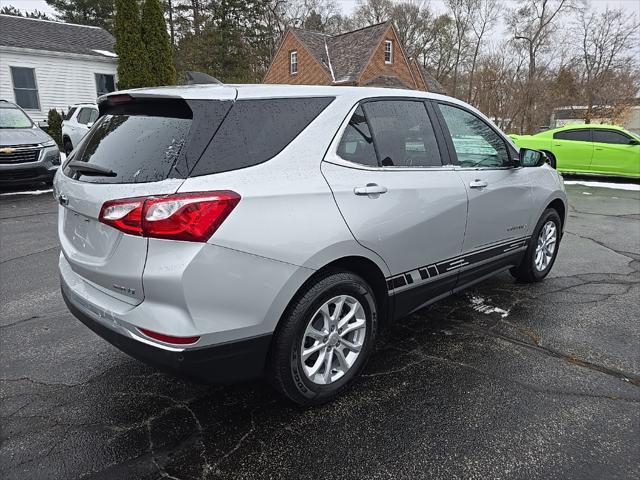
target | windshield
[{"x": 14, "y": 118}]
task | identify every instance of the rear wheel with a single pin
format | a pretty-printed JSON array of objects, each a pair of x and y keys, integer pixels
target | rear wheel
[
  {"x": 542, "y": 250},
  {"x": 551, "y": 157},
  {"x": 324, "y": 339}
]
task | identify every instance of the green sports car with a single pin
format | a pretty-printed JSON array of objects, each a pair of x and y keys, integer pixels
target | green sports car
[{"x": 592, "y": 149}]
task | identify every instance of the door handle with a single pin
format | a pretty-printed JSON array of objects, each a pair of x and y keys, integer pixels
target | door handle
[
  {"x": 599, "y": 148},
  {"x": 370, "y": 189},
  {"x": 477, "y": 183}
]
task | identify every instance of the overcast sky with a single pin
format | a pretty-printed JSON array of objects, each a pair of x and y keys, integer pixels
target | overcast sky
[{"x": 633, "y": 6}]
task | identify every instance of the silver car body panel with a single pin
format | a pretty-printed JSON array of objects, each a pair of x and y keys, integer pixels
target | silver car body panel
[{"x": 297, "y": 214}]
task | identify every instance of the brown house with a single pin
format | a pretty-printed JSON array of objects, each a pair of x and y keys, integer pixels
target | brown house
[{"x": 371, "y": 56}]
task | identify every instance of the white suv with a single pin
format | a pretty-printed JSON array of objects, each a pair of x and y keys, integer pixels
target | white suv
[{"x": 77, "y": 123}]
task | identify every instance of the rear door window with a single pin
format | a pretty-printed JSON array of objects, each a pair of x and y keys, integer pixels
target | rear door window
[
  {"x": 403, "y": 133},
  {"x": 255, "y": 131},
  {"x": 356, "y": 144},
  {"x": 582, "y": 135}
]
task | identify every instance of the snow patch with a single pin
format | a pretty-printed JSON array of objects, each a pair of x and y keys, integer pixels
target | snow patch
[
  {"x": 617, "y": 186},
  {"x": 106, "y": 53},
  {"x": 479, "y": 305},
  {"x": 29, "y": 192},
  {"x": 587, "y": 193}
]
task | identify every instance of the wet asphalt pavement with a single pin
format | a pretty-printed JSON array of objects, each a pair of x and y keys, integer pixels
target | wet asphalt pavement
[{"x": 502, "y": 381}]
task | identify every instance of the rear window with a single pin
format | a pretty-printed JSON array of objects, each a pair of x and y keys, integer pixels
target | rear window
[
  {"x": 138, "y": 148},
  {"x": 255, "y": 131}
]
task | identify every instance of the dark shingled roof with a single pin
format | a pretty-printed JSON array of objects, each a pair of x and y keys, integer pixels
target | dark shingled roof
[
  {"x": 54, "y": 36},
  {"x": 390, "y": 81},
  {"x": 348, "y": 52},
  {"x": 315, "y": 43}
]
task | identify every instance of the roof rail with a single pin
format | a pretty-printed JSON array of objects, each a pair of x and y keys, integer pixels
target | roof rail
[{"x": 199, "y": 78}]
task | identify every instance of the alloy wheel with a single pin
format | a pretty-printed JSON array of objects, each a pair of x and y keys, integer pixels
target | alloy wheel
[
  {"x": 546, "y": 246},
  {"x": 333, "y": 339}
]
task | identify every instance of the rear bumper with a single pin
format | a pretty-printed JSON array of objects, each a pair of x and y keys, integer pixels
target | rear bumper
[{"x": 222, "y": 363}]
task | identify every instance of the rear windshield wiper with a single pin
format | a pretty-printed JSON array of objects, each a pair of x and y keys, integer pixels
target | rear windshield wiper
[{"x": 89, "y": 169}]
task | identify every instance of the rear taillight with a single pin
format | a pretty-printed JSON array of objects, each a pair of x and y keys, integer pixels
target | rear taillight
[{"x": 192, "y": 217}]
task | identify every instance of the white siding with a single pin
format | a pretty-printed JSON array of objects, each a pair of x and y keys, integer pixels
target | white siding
[{"x": 62, "y": 79}]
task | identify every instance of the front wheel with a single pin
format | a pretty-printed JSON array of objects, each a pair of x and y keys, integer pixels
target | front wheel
[
  {"x": 542, "y": 250},
  {"x": 324, "y": 339},
  {"x": 67, "y": 146}
]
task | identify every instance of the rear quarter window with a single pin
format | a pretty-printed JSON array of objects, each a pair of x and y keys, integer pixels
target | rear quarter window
[{"x": 255, "y": 131}]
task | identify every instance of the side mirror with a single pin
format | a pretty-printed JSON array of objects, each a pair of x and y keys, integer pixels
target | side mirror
[
  {"x": 633, "y": 141},
  {"x": 89, "y": 125},
  {"x": 43, "y": 124},
  {"x": 531, "y": 158}
]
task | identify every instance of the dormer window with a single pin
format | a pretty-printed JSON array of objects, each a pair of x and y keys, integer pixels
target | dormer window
[
  {"x": 293, "y": 62},
  {"x": 388, "y": 51}
]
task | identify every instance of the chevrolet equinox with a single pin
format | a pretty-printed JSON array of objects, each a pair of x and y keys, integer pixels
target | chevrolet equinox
[{"x": 227, "y": 232}]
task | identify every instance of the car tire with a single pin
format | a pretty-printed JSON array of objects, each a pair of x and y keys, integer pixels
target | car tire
[
  {"x": 539, "y": 257},
  {"x": 552, "y": 158},
  {"x": 67, "y": 146},
  {"x": 309, "y": 316}
]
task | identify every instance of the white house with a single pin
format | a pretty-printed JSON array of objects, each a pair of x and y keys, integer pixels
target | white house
[{"x": 45, "y": 64}]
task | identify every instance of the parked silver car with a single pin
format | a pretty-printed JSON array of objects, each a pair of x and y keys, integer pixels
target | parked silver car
[
  {"x": 228, "y": 232},
  {"x": 27, "y": 153}
]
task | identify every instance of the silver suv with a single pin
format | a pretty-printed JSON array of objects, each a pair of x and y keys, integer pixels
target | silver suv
[
  {"x": 227, "y": 232},
  {"x": 27, "y": 153}
]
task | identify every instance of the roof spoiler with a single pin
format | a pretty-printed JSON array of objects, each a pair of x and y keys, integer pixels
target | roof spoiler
[{"x": 199, "y": 78}]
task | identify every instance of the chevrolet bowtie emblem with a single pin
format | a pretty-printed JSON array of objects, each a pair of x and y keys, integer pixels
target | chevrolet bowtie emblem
[{"x": 7, "y": 150}]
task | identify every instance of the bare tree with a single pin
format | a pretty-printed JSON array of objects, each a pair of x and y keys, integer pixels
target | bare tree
[
  {"x": 607, "y": 41},
  {"x": 485, "y": 18},
  {"x": 371, "y": 12},
  {"x": 461, "y": 12},
  {"x": 438, "y": 51},
  {"x": 532, "y": 25},
  {"x": 412, "y": 21}
]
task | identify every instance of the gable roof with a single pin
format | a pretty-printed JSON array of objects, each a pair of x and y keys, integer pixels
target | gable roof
[
  {"x": 344, "y": 56},
  {"x": 55, "y": 36}
]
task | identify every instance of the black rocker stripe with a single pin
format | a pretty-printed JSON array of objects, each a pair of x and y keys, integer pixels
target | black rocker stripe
[{"x": 425, "y": 273}]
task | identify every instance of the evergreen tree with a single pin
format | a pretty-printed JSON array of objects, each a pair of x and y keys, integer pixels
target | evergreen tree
[
  {"x": 157, "y": 44},
  {"x": 54, "y": 119},
  {"x": 133, "y": 64},
  {"x": 98, "y": 13},
  {"x": 11, "y": 10}
]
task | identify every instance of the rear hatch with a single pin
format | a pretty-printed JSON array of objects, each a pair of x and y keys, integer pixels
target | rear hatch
[{"x": 140, "y": 146}]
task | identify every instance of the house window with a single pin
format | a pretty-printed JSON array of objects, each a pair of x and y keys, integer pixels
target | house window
[
  {"x": 104, "y": 84},
  {"x": 25, "y": 88},
  {"x": 388, "y": 51},
  {"x": 293, "y": 62}
]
